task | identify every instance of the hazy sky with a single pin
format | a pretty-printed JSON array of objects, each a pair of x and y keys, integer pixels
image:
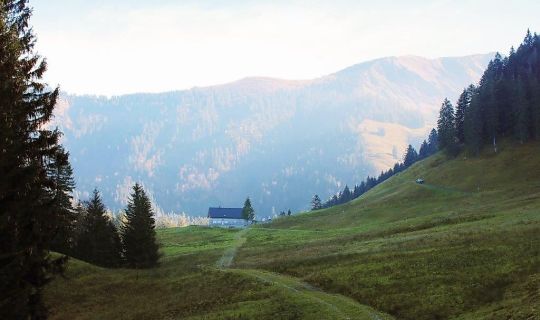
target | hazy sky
[{"x": 115, "y": 47}]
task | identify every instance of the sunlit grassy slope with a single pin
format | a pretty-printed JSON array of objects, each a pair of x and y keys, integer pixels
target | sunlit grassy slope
[{"x": 466, "y": 244}]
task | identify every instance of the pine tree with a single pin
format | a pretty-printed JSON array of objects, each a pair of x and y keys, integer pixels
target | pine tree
[
  {"x": 424, "y": 150},
  {"x": 138, "y": 232},
  {"x": 463, "y": 103},
  {"x": 446, "y": 129},
  {"x": 78, "y": 226},
  {"x": 528, "y": 41},
  {"x": 99, "y": 242},
  {"x": 333, "y": 201},
  {"x": 534, "y": 105},
  {"x": 316, "y": 203},
  {"x": 488, "y": 106},
  {"x": 62, "y": 173},
  {"x": 247, "y": 211},
  {"x": 289, "y": 212},
  {"x": 410, "y": 157},
  {"x": 357, "y": 191},
  {"x": 521, "y": 113},
  {"x": 28, "y": 219},
  {"x": 370, "y": 183},
  {"x": 346, "y": 195},
  {"x": 433, "y": 142},
  {"x": 473, "y": 127}
]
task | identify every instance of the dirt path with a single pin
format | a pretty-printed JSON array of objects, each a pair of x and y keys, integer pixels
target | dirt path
[
  {"x": 338, "y": 306},
  {"x": 228, "y": 255},
  {"x": 333, "y": 305}
]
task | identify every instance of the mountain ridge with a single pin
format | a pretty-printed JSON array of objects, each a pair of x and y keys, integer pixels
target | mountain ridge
[
  {"x": 211, "y": 145},
  {"x": 278, "y": 79}
]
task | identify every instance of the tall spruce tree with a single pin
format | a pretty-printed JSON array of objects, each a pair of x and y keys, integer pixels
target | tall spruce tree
[
  {"x": 473, "y": 127},
  {"x": 521, "y": 113},
  {"x": 534, "y": 103},
  {"x": 64, "y": 184},
  {"x": 462, "y": 105},
  {"x": 247, "y": 211},
  {"x": 29, "y": 218},
  {"x": 503, "y": 105},
  {"x": 446, "y": 129},
  {"x": 78, "y": 227},
  {"x": 424, "y": 150},
  {"x": 138, "y": 232},
  {"x": 332, "y": 202},
  {"x": 489, "y": 106},
  {"x": 433, "y": 141},
  {"x": 410, "y": 157},
  {"x": 99, "y": 242},
  {"x": 346, "y": 195}
]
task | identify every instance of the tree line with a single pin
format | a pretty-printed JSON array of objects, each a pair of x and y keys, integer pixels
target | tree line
[
  {"x": 504, "y": 105},
  {"x": 92, "y": 236},
  {"x": 36, "y": 211},
  {"x": 427, "y": 148},
  {"x": 32, "y": 197}
]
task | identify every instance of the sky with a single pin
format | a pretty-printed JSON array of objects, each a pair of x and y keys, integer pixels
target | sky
[{"x": 117, "y": 47}]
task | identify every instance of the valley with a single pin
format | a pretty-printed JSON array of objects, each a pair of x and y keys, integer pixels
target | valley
[
  {"x": 385, "y": 166},
  {"x": 277, "y": 141},
  {"x": 464, "y": 245}
]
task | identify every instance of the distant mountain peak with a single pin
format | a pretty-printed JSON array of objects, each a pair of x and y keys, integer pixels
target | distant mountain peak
[{"x": 278, "y": 141}]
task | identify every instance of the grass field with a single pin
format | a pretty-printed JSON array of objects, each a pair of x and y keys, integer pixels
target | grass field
[
  {"x": 465, "y": 245},
  {"x": 183, "y": 287},
  {"x": 188, "y": 285}
]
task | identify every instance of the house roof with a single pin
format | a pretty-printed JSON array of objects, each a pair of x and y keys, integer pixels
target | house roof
[{"x": 225, "y": 213}]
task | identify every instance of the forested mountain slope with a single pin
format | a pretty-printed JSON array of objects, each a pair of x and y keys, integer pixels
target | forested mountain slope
[{"x": 260, "y": 137}]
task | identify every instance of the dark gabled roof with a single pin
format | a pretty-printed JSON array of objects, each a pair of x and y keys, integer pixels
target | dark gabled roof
[{"x": 225, "y": 213}]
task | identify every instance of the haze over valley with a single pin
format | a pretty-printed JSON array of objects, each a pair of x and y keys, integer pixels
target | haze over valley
[
  {"x": 269, "y": 160},
  {"x": 277, "y": 141}
]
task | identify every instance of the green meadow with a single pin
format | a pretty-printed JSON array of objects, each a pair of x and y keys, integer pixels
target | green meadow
[
  {"x": 191, "y": 284},
  {"x": 464, "y": 245}
]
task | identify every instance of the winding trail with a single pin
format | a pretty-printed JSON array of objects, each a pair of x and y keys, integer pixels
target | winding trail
[{"x": 338, "y": 306}]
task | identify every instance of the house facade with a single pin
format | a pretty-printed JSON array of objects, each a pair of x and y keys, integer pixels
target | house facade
[{"x": 226, "y": 217}]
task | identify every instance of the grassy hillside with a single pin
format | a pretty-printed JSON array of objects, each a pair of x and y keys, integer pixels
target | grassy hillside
[
  {"x": 189, "y": 285},
  {"x": 464, "y": 245},
  {"x": 184, "y": 287}
]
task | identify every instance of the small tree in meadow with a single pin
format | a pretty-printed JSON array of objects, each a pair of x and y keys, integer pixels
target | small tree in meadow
[
  {"x": 247, "y": 211},
  {"x": 316, "y": 203},
  {"x": 98, "y": 241}
]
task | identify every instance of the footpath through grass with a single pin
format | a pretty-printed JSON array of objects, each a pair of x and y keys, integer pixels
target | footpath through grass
[
  {"x": 187, "y": 285},
  {"x": 226, "y": 259},
  {"x": 466, "y": 245},
  {"x": 303, "y": 300}
]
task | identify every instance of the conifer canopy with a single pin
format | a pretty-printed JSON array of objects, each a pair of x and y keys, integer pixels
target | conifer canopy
[{"x": 138, "y": 232}]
